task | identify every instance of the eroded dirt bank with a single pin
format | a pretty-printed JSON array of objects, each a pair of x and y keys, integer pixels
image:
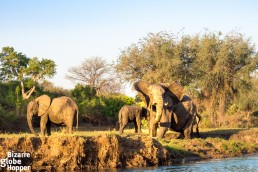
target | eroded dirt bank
[
  {"x": 75, "y": 152},
  {"x": 113, "y": 151}
]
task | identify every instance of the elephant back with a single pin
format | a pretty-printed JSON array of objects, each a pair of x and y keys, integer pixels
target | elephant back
[{"x": 60, "y": 103}]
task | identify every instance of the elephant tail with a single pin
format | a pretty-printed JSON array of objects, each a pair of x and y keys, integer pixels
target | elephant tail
[
  {"x": 77, "y": 119},
  {"x": 197, "y": 124},
  {"x": 116, "y": 126}
]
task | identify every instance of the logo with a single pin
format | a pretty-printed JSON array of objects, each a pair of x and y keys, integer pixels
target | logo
[{"x": 13, "y": 161}]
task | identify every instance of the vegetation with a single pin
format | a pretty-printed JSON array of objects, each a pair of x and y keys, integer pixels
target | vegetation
[
  {"x": 218, "y": 71},
  {"x": 91, "y": 104},
  {"x": 19, "y": 67},
  {"x": 10, "y": 99}
]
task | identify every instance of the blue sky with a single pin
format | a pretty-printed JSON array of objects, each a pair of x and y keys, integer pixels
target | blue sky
[{"x": 68, "y": 31}]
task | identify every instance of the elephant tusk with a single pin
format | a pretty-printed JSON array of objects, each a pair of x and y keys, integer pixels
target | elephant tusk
[{"x": 155, "y": 121}]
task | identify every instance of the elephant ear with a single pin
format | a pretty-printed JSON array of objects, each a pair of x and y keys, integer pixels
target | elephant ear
[
  {"x": 142, "y": 88},
  {"x": 174, "y": 90},
  {"x": 43, "y": 104}
]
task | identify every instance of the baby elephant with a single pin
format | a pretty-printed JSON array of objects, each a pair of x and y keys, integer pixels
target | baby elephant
[{"x": 131, "y": 114}]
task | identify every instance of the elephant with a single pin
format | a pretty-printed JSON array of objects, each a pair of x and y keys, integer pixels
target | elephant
[
  {"x": 60, "y": 111},
  {"x": 183, "y": 116},
  {"x": 197, "y": 120},
  {"x": 168, "y": 106},
  {"x": 131, "y": 114}
]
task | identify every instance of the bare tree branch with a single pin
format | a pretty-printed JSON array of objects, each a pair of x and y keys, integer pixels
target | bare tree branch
[
  {"x": 97, "y": 73},
  {"x": 26, "y": 95}
]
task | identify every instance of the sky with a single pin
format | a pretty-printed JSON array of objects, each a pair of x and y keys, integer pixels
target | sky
[{"x": 69, "y": 31}]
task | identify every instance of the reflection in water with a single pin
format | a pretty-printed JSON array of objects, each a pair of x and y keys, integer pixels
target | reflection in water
[{"x": 244, "y": 164}]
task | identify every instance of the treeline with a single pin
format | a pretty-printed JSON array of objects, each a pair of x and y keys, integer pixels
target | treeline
[
  {"x": 23, "y": 78},
  {"x": 12, "y": 106},
  {"x": 218, "y": 71}
]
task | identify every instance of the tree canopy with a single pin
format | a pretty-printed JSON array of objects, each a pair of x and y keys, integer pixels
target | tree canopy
[{"x": 17, "y": 66}]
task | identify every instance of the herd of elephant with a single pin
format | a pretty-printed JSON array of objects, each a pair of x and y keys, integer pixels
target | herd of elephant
[{"x": 166, "y": 106}]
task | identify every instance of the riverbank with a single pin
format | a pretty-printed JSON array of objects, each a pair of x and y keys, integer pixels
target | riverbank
[
  {"x": 105, "y": 149},
  {"x": 214, "y": 143}
]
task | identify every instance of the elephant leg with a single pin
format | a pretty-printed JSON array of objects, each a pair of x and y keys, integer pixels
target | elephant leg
[
  {"x": 181, "y": 136},
  {"x": 121, "y": 129},
  {"x": 187, "y": 133},
  {"x": 162, "y": 132},
  {"x": 197, "y": 131},
  {"x": 48, "y": 127},
  {"x": 149, "y": 124},
  {"x": 135, "y": 126},
  {"x": 153, "y": 130},
  {"x": 152, "y": 125},
  {"x": 43, "y": 122},
  {"x": 70, "y": 129},
  {"x": 192, "y": 131},
  {"x": 123, "y": 123},
  {"x": 68, "y": 121},
  {"x": 66, "y": 130},
  {"x": 188, "y": 129},
  {"x": 138, "y": 122},
  {"x": 165, "y": 123}
]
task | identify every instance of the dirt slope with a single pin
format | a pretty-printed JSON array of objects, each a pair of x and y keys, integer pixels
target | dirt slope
[
  {"x": 102, "y": 151},
  {"x": 75, "y": 152}
]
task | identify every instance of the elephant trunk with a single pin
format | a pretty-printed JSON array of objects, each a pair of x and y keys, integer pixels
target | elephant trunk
[
  {"x": 29, "y": 120},
  {"x": 159, "y": 110},
  {"x": 153, "y": 130}
]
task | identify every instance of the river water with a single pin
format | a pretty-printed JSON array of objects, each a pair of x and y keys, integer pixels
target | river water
[{"x": 243, "y": 164}]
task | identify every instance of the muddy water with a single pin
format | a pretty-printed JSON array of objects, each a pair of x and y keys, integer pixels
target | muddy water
[{"x": 243, "y": 164}]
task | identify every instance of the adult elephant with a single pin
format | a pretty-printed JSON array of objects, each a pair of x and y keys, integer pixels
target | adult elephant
[
  {"x": 61, "y": 111},
  {"x": 183, "y": 116},
  {"x": 168, "y": 106},
  {"x": 131, "y": 114}
]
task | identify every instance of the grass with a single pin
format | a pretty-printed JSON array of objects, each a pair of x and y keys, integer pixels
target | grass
[
  {"x": 96, "y": 131},
  {"x": 83, "y": 132}
]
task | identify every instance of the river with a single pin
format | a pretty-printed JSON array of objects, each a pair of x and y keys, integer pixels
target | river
[{"x": 242, "y": 164}]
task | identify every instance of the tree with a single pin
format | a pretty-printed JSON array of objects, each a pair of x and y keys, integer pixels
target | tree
[
  {"x": 96, "y": 73},
  {"x": 47, "y": 87},
  {"x": 216, "y": 67},
  {"x": 81, "y": 93},
  {"x": 223, "y": 67},
  {"x": 17, "y": 66},
  {"x": 156, "y": 58}
]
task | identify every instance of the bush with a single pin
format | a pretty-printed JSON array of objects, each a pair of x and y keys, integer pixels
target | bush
[
  {"x": 255, "y": 114},
  {"x": 92, "y": 105}
]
